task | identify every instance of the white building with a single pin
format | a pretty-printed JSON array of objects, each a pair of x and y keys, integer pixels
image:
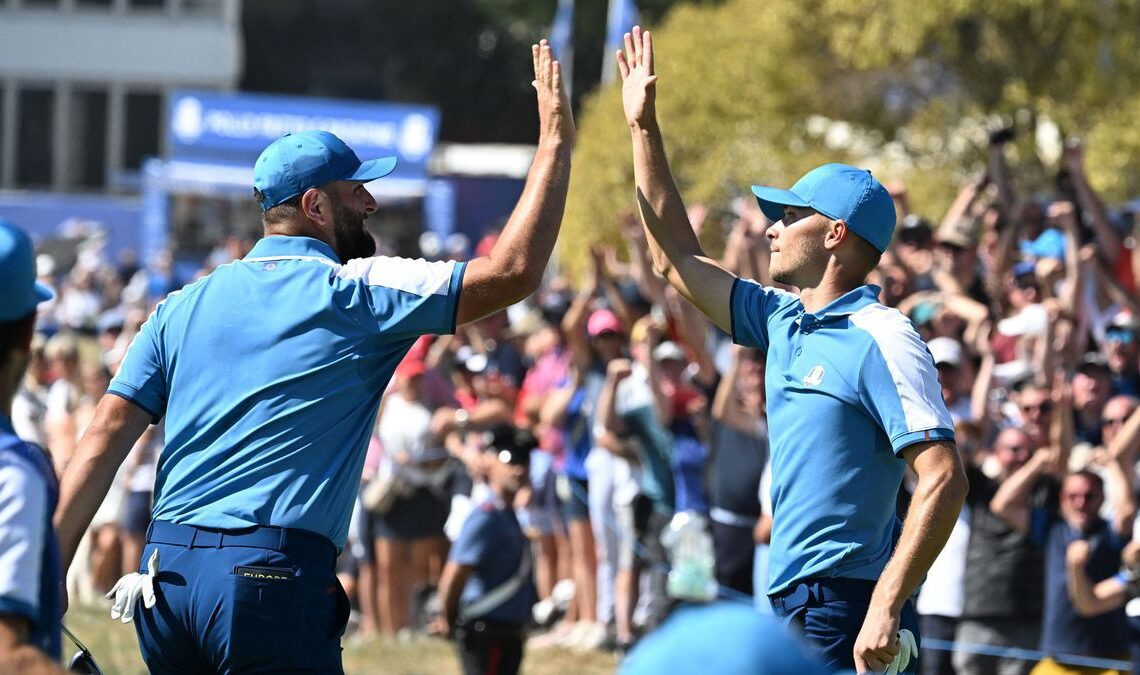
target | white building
[{"x": 84, "y": 83}]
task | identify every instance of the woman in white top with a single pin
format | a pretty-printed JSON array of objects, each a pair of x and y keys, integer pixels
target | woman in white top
[{"x": 408, "y": 534}]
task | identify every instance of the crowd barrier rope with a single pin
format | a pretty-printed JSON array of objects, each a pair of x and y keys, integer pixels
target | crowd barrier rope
[
  {"x": 733, "y": 595},
  {"x": 1025, "y": 654}
]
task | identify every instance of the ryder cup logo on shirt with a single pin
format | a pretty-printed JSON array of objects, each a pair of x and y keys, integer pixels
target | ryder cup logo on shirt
[{"x": 814, "y": 376}]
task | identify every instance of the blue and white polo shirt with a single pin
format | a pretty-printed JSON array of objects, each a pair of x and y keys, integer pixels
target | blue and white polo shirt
[
  {"x": 848, "y": 388},
  {"x": 29, "y": 554},
  {"x": 270, "y": 371}
]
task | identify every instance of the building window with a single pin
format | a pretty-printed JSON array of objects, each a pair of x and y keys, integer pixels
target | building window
[
  {"x": 3, "y": 136},
  {"x": 144, "y": 113},
  {"x": 34, "y": 137},
  {"x": 88, "y": 139},
  {"x": 202, "y": 7}
]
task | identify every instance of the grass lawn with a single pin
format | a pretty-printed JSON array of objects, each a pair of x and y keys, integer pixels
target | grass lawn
[{"x": 114, "y": 646}]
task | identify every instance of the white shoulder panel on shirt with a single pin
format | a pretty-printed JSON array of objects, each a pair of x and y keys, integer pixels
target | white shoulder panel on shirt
[
  {"x": 910, "y": 365},
  {"x": 411, "y": 275},
  {"x": 306, "y": 258}
]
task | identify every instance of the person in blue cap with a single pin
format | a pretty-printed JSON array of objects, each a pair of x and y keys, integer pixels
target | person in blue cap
[
  {"x": 487, "y": 588},
  {"x": 852, "y": 393},
  {"x": 726, "y": 638},
  {"x": 269, "y": 374},
  {"x": 29, "y": 556}
]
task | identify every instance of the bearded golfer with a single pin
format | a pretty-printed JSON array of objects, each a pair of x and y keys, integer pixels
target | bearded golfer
[{"x": 269, "y": 373}]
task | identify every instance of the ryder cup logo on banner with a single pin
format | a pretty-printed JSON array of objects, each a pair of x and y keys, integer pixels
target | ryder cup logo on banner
[
  {"x": 417, "y": 134},
  {"x": 186, "y": 120},
  {"x": 814, "y": 377}
]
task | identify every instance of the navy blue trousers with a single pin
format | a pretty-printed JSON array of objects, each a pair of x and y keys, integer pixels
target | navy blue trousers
[
  {"x": 257, "y": 600},
  {"x": 830, "y": 614}
]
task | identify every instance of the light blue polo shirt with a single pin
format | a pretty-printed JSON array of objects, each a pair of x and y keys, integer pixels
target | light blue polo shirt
[
  {"x": 29, "y": 554},
  {"x": 848, "y": 389},
  {"x": 269, "y": 372}
]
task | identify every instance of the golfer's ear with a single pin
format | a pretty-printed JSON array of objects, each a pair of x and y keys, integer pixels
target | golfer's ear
[
  {"x": 837, "y": 233},
  {"x": 315, "y": 205}
]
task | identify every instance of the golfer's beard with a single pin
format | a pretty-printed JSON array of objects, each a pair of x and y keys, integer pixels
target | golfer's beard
[
  {"x": 784, "y": 274},
  {"x": 352, "y": 240},
  {"x": 795, "y": 262}
]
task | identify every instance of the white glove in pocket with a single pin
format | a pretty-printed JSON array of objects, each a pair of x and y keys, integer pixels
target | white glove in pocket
[
  {"x": 129, "y": 589},
  {"x": 908, "y": 650}
]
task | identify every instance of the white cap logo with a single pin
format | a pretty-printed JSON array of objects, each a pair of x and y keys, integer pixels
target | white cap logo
[
  {"x": 415, "y": 136},
  {"x": 186, "y": 122}
]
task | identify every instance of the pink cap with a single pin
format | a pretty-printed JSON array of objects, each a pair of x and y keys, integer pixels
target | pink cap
[
  {"x": 410, "y": 367},
  {"x": 420, "y": 348},
  {"x": 603, "y": 321},
  {"x": 483, "y": 248}
]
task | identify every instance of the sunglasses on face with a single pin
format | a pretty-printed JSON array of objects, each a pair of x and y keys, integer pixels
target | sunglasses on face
[
  {"x": 1074, "y": 496},
  {"x": 1121, "y": 336},
  {"x": 513, "y": 458}
]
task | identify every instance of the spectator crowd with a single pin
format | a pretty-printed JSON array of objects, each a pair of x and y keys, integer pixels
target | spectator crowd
[{"x": 641, "y": 410}]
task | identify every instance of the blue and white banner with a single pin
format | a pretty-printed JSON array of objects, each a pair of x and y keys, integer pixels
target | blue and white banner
[{"x": 234, "y": 128}]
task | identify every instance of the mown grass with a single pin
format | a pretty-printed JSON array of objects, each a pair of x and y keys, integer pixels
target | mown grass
[{"x": 116, "y": 650}]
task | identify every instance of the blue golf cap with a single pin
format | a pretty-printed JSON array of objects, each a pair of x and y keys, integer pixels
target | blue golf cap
[
  {"x": 839, "y": 192},
  {"x": 1049, "y": 244},
  {"x": 307, "y": 159},
  {"x": 721, "y": 637},
  {"x": 19, "y": 290}
]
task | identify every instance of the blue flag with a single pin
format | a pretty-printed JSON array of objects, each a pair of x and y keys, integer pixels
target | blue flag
[
  {"x": 562, "y": 30},
  {"x": 562, "y": 39},
  {"x": 621, "y": 18}
]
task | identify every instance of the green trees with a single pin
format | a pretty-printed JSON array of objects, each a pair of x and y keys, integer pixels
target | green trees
[{"x": 762, "y": 90}]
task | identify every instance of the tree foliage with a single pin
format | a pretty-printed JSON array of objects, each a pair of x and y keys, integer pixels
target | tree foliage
[{"x": 759, "y": 91}]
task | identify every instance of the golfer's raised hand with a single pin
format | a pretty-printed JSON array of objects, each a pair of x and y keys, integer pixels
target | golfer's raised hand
[
  {"x": 638, "y": 89},
  {"x": 555, "y": 120}
]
